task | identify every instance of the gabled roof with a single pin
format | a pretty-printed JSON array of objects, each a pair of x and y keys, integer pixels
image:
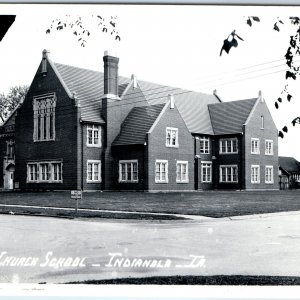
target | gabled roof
[
  {"x": 289, "y": 164},
  {"x": 137, "y": 124},
  {"x": 229, "y": 117},
  {"x": 88, "y": 86}
]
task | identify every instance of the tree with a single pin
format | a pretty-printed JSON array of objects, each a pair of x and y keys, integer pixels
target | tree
[
  {"x": 11, "y": 100},
  {"x": 293, "y": 50},
  {"x": 79, "y": 28}
]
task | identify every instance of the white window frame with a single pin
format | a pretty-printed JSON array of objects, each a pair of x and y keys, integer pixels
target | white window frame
[
  {"x": 161, "y": 161},
  {"x": 178, "y": 163},
  {"x": 38, "y": 178},
  {"x": 41, "y": 113},
  {"x": 208, "y": 166},
  {"x": 272, "y": 175},
  {"x": 255, "y": 150},
  {"x": 126, "y": 162},
  {"x": 93, "y": 128},
  {"x": 205, "y": 142},
  {"x": 255, "y": 167},
  {"x": 172, "y": 129},
  {"x": 266, "y": 147},
  {"x": 226, "y": 141},
  {"x": 93, "y": 163},
  {"x": 232, "y": 167}
]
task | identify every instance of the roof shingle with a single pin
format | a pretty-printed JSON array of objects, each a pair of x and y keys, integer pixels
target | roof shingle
[
  {"x": 137, "y": 124},
  {"x": 289, "y": 164},
  {"x": 229, "y": 117},
  {"x": 88, "y": 86}
]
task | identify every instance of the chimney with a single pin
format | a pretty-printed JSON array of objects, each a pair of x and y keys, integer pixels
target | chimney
[
  {"x": 260, "y": 96},
  {"x": 44, "y": 62},
  {"x": 134, "y": 79},
  {"x": 111, "y": 78},
  {"x": 171, "y": 99}
]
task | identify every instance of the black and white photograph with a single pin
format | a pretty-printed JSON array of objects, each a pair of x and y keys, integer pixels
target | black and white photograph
[{"x": 149, "y": 145}]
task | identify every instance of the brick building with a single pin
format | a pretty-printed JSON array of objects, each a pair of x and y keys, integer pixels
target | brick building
[{"x": 88, "y": 130}]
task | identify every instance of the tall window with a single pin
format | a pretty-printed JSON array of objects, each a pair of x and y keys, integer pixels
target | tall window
[
  {"x": 44, "y": 171},
  {"x": 93, "y": 171},
  {"x": 269, "y": 147},
  {"x": 171, "y": 137},
  {"x": 182, "y": 172},
  {"x": 161, "y": 171},
  {"x": 128, "y": 171},
  {"x": 93, "y": 136},
  {"x": 255, "y": 174},
  {"x": 204, "y": 145},
  {"x": 229, "y": 146},
  {"x": 206, "y": 171},
  {"x": 228, "y": 173},
  {"x": 44, "y": 118},
  {"x": 262, "y": 120},
  {"x": 269, "y": 176},
  {"x": 255, "y": 146},
  {"x": 10, "y": 149}
]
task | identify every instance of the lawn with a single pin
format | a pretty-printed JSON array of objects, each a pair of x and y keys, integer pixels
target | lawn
[{"x": 211, "y": 204}]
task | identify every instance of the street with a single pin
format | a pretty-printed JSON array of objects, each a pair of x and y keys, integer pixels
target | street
[{"x": 55, "y": 250}]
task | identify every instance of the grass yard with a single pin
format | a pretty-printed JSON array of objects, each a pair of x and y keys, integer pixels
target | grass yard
[{"x": 211, "y": 204}]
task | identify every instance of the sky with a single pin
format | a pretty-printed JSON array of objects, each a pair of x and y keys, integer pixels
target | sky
[{"x": 173, "y": 45}]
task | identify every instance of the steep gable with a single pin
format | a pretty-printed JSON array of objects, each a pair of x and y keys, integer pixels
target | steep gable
[
  {"x": 229, "y": 117},
  {"x": 137, "y": 124}
]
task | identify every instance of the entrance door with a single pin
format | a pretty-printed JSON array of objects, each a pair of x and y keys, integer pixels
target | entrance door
[
  {"x": 11, "y": 180},
  {"x": 9, "y": 177}
]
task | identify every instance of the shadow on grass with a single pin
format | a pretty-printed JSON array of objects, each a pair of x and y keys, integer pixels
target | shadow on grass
[{"x": 202, "y": 280}]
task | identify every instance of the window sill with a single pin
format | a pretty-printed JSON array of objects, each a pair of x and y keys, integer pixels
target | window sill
[
  {"x": 182, "y": 181},
  {"x": 255, "y": 182},
  {"x": 172, "y": 146},
  {"x": 226, "y": 153},
  {"x": 94, "y": 146},
  {"x": 128, "y": 181},
  {"x": 269, "y": 154},
  {"x": 161, "y": 181},
  {"x": 92, "y": 181},
  {"x": 44, "y": 181},
  {"x": 228, "y": 182},
  {"x": 40, "y": 141},
  {"x": 255, "y": 153}
]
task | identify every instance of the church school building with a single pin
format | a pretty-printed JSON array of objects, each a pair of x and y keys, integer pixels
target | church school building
[{"x": 88, "y": 130}]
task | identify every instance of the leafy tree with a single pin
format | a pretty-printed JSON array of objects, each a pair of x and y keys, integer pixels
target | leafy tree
[
  {"x": 292, "y": 50},
  {"x": 11, "y": 100},
  {"x": 79, "y": 28}
]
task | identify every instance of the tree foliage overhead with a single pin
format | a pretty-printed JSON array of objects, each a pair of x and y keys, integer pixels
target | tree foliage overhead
[
  {"x": 11, "y": 100},
  {"x": 79, "y": 28},
  {"x": 293, "y": 70}
]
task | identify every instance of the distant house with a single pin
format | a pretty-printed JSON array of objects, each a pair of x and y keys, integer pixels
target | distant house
[
  {"x": 289, "y": 172},
  {"x": 88, "y": 130}
]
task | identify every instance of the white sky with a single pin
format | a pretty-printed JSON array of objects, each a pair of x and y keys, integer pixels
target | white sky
[{"x": 173, "y": 45}]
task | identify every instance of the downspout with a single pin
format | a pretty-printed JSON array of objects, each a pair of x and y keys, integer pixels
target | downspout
[{"x": 82, "y": 156}]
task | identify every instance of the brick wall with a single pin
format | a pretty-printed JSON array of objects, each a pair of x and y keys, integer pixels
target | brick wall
[
  {"x": 203, "y": 157},
  {"x": 157, "y": 150},
  {"x": 132, "y": 152},
  {"x": 65, "y": 145},
  {"x": 227, "y": 159},
  {"x": 90, "y": 153},
  {"x": 253, "y": 130},
  {"x": 115, "y": 113}
]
